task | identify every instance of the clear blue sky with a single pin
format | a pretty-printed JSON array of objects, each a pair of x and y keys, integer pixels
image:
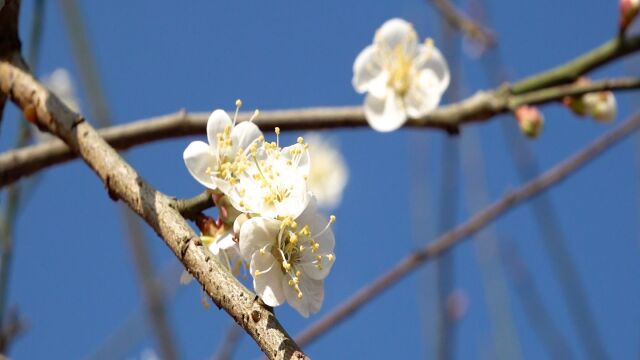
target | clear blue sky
[{"x": 73, "y": 275}]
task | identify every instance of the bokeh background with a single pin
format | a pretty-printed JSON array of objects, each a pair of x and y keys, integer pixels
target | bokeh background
[{"x": 73, "y": 276}]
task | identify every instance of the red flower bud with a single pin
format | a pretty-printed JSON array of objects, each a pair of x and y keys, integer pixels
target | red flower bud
[
  {"x": 628, "y": 11},
  {"x": 530, "y": 120}
]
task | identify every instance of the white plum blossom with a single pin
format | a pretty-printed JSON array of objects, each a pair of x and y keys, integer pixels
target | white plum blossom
[
  {"x": 403, "y": 78},
  {"x": 289, "y": 258},
  {"x": 329, "y": 173},
  {"x": 213, "y": 164},
  {"x": 271, "y": 181}
]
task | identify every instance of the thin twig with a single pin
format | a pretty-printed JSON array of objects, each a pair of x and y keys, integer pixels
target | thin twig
[
  {"x": 465, "y": 24},
  {"x": 190, "y": 208},
  {"x": 479, "y": 107},
  {"x": 445, "y": 242},
  {"x": 124, "y": 183}
]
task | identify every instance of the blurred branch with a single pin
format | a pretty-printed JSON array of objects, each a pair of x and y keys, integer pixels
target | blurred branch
[
  {"x": 132, "y": 331},
  {"x": 154, "y": 299},
  {"x": 90, "y": 77},
  {"x": 10, "y": 330},
  {"x": 529, "y": 293},
  {"x": 14, "y": 196},
  {"x": 478, "y": 221},
  {"x": 448, "y": 202},
  {"x": 229, "y": 343},
  {"x": 465, "y": 24},
  {"x": 481, "y": 106},
  {"x": 505, "y": 335},
  {"x": 553, "y": 239},
  {"x": 124, "y": 183},
  {"x": 85, "y": 61}
]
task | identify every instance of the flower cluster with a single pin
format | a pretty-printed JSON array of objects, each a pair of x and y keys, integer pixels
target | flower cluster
[
  {"x": 403, "y": 78},
  {"x": 269, "y": 217}
]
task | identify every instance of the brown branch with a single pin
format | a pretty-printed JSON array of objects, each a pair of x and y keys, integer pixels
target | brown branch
[
  {"x": 445, "y": 242},
  {"x": 465, "y": 24},
  {"x": 124, "y": 183},
  {"x": 481, "y": 106}
]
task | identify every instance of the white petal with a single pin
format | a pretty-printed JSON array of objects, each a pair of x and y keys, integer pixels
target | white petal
[
  {"x": 385, "y": 114},
  {"x": 368, "y": 74},
  {"x": 397, "y": 32},
  {"x": 424, "y": 94},
  {"x": 224, "y": 243},
  {"x": 198, "y": 157},
  {"x": 429, "y": 57},
  {"x": 243, "y": 134},
  {"x": 268, "y": 285},
  {"x": 312, "y": 295},
  {"x": 256, "y": 233},
  {"x": 218, "y": 120}
]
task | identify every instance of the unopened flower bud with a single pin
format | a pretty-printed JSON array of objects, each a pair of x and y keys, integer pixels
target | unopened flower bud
[
  {"x": 601, "y": 105},
  {"x": 530, "y": 120},
  {"x": 628, "y": 12}
]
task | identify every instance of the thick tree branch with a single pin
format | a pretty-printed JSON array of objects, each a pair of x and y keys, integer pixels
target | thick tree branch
[
  {"x": 478, "y": 221},
  {"x": 481, "y": 106},
  {"x": 123, "y": 182}
]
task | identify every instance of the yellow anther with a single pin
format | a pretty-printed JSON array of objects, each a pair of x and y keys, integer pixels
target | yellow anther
[
  {"x": 306, "y": 231},
  {"x": 429, "y": 42},
  {"x": 332, "y": 219},
  {"x": 293, "y": 238},
  {"x": 330, "y": 257},
  {"x": 300, "y": 295},
  {"x": 262, "y": 251},
  {"x": 256, "y": 273},
  {"x": 286, "y": 265},
  {"x": 238, "y": 103},
  {"x": 300, "y": 140},
  {"x": 277, "y": 130},
  {"x": 301, "y": 248},
  {"x": 298, "y": 273}
]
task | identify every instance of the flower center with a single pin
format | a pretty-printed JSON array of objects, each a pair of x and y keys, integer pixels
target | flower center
[
  {"x": 295, "y": 242},
  {"x": 400, "y": 71}
]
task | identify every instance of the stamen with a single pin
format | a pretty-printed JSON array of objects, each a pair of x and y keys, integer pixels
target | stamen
[
  {"x": 255, "y": 115},
  {"x": 238, "y": 105},
  {"x": 332, "y": 219},
  {"x": 277, "y": 136}
]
